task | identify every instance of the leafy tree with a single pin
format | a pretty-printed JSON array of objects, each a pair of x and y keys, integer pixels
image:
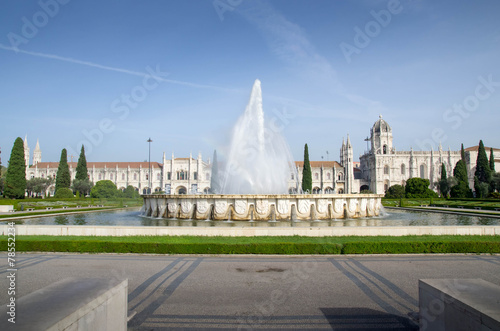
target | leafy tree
[
  {"x": 81, "y": 186},
  {"x": 483, "y": 172},
  {"x": 461, "y": 190},
  {"x": 104, "y": 189},
  {"x": 460, "y": 172},
  {"x": 81, "y": 167},
  {"x": 418, "y": 188},
  {"x": 15, "y": 180},
  {"x": 443, "y": 182},
  {"x": 395, "y": 192},
  {"x": 492, "y": 161},
  {"x": 462, "y": 154},
  {"x": 131, "y": 193},
  {"x": 64, "y": 193},
  {"x": 495, "y": 181},
  {"x": 63, "y": 178},
  {"x": 306, "y": 172},
  {"x": 38, "y": 186},
  {"x": 214, "y": 179}
]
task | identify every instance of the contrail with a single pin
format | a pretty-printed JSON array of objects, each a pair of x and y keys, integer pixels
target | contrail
[{"x": 100, "y": 66}]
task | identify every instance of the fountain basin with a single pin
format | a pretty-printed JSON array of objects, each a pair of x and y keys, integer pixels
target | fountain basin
[{"x": 261, "y": 207}]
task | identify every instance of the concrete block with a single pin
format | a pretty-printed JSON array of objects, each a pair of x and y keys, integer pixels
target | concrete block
[
  {"x": 6, "y": 208},
  {"x": 459, "y": 304},
  {"x": 72, "y": 304}
]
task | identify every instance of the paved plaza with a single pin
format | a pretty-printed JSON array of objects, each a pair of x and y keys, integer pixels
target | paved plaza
[{"x": 258, "y": 292}]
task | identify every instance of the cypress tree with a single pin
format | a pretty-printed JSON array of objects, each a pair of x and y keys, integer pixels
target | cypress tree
[
  {"x": 460, "y": 172},
  {"x": 492, "y": 161},
  {"x": 15, "y": 180},
  {"x": 306, "y": 173},
  {"x": 462, "y": 154},
  {"x": 63, "y": 179},
  {"x": 483, "y": 172},
  {"x": 81, "y": 167},
  {"x": 443, "y": 172}
]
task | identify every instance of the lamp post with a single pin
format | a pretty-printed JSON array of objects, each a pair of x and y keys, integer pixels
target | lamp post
[{"x": 149, "y": 177}]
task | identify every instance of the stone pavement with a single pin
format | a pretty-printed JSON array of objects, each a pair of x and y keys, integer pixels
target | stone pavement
[{"x": 258, "y": 292}]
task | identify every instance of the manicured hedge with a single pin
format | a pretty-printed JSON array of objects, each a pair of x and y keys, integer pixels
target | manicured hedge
[
  {"x": 82, "y": 246},
  {"x": 420, "y": 247}
]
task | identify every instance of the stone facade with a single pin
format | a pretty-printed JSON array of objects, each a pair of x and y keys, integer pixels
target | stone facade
[
  {"x": 379, "y": 168},
  {"x": 382, "y": 166}
]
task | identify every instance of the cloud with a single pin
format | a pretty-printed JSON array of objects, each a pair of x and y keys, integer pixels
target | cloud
[
  {"x": 290, "y": 43},
  {"x": 108, "y": 68}
]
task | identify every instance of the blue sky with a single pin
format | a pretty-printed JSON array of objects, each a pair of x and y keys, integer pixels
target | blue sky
[{"x": 114, "y": 73}]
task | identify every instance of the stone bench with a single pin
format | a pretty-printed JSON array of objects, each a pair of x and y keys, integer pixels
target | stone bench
[
  {"x": 461, "y": 207},
  {"x": 49, "y": 208},
  {"x": 30, "y": 209},
  {"x": 72, "y": 304},
  {"x": 78, "y": 206},
  {"x": 65, "y": 207},
  {"x": 458, "y": 304},
  {"x": 497, "y": 209},
  {"x": 479, "y": 208},
  {"x": 446, "y": 206}
]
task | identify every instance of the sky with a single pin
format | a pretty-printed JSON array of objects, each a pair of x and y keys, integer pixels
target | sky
[{"x": 111, "y": 74}]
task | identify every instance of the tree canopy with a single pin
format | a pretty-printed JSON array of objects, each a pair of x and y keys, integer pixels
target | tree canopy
[
  {"x": 306, "y": 172},
  {"x": 418, "y": 188},
  {"x": 104, "y": 189},
  {"x": 395, "y": 192},
  {"x": 63, "y": 178},
  {"x": 483, "y": 172},
  {"x": 15, "y": 180},
  {"x": 81, "y": 167}
]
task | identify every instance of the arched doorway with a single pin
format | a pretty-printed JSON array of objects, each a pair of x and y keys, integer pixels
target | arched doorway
[{"x": 181, "y": 190}]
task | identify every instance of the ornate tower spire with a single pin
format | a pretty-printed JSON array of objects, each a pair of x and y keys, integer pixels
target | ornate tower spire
[
  {"x": 37, "y": 153},
  {"x": 26, "y": 152}
]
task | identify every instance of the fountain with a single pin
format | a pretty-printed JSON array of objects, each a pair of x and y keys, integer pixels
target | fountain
[{"x": 254, "y": 183}]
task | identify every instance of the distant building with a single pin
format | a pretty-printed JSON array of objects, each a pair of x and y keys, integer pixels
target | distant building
[
  {"x": 378, "y": 169},
  {"x": 382, "y": 166}
]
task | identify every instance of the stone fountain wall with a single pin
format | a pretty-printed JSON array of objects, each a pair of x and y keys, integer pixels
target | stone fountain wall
[{"x": 262, "y": 207}]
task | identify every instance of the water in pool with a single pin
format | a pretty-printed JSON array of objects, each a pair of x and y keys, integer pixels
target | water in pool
[{"x": 134, "y": 218}]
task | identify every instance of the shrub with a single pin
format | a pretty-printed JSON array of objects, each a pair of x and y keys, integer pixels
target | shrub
[
  {"x": 395, "y": 192},
  {"x": 104, "y": 189},
  {"x": 64, "y": 193}
]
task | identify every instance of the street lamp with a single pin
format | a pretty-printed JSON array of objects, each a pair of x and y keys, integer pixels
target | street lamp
[{"x": 149, "y": 177}]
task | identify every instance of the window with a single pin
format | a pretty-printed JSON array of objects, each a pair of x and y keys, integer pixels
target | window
[
  {"x": 328, "y": 176},
  {"x": 341, "y": 176},
  {"x": 386, "y": 187},
  {"x": 111, "y": 176},
  {"x": 123, "y": 176},
  {"x": 207, "y": 176},
  {"x": 422, "y": 171},
  {"x": 147, "y": 176},
  {"x": 100, "y": 176},
  {"x": 385, "y": 149},
  {"x": 158, "y": 176},
  {"x": 181, "y": 175},
  {"x": 293, "y": 177},
  {"x": 316, "y": 176},
  {"x": 169, "y": 175},
  {"x": 195, "y": 175},
  {"x": 403, "y": 169},
  {"x": 42, "y": 175},
  {"x": 386, "y": 170},
  {"x": 135, "y": 176},
  {"x": 32, "y": 176}
]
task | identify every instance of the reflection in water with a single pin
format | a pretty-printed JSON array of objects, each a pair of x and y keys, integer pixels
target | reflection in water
[
  {"x": 134, "y": 218},
  {"x": 80, "y": 219},
  {"x": 61, "y": 219}
]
